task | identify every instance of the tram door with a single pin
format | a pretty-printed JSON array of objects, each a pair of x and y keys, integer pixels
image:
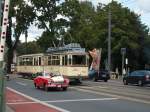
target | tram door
[{"x": 64, "y": 60}]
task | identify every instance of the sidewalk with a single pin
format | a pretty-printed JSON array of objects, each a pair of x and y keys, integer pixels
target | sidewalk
[
  {"x": 21, "y": 103},
  {"x": 8, "y": 109}
]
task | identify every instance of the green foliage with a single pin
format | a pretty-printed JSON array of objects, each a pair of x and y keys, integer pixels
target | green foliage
[
  {"x": 90, "y": 28},
  {"x": 146, "y": 50},
  {"x": 28, "y": 48},
  {"x": 87, "y": 25},
  {"x": 81, "y": 23},
  {"x": 45, "y": 41},
  {"x": 24, "y": 17}
]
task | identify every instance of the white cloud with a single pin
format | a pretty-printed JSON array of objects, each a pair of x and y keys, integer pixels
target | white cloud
[
  {"x": 144, "y": 5},
  {"x": 95, "y": 2},
  {"x": 141, "y": 7},
  {"x": 33, "y": 33}
]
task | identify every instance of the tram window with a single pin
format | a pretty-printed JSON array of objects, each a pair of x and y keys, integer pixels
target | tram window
[
  {"x": 66, "y": 60},
  {"x": 69, "y": 59},
  {"x": 79, "y": 60},
  {"x": 39, "y": 60},
  {"x": 54, "y": 60},
  {"x": 34, "y": 61},
  {"x": 25, "y": 61},
  {"x": 49, "y": 60},
  {"x": 20, "y": 61}
]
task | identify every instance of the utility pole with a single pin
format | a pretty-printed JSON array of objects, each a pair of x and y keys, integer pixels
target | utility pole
[
  {"x": 3, "y": 30},
  {"x": 109, "y": 39}
]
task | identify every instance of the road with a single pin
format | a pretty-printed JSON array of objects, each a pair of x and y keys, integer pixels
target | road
[{"x": 88, "y": 97}]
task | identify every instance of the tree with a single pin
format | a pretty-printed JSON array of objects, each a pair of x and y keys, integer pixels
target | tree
[
  {"x": 24, "y": 17},
  {"x": 89, "y": 27},
  {"x": 146, "y": 50},
  {"x": 46, "y": 40},
  {"x": 31, "y": 46},
  {"x": 127, "y": 31},
  {"x": 81, "y": 22},
  {"x": 48, "y": 14}
]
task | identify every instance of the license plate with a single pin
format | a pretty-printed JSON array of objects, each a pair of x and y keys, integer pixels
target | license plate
[
  {"x": 58, "y": 85},
  {"x": 103, "y": 75}
]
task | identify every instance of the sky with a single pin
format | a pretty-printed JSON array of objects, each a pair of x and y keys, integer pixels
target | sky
[{"x": 141, "y": 7}]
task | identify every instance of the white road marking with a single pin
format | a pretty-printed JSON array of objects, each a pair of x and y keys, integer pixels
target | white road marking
[
  {"x": 100, "y": 87},
  {"x": 113, "y": 95},
  {"x": 73, "y": 100},
  {"x": 82, "y": 100},
  {"x": 20, "y": 103},
  {"x": 20, "y": 83},
  {"x": 38, "y": 101}
]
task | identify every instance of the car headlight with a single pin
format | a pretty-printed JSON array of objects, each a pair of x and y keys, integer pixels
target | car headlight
[{"x": 50, "y": 81}]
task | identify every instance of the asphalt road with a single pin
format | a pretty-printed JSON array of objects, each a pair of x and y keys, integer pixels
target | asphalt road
[{"x": 90, "y": 96}]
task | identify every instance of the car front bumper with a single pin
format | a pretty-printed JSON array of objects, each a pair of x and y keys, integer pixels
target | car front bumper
[{"x": 52, "y": 85}]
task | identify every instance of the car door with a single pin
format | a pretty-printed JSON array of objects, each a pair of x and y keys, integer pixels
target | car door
[
  {"x": 138, "y": 76},
  {"x": 39, "y": 79},
  {"x": 131, "y": 77},
  {"x": 135, "y": 77}
]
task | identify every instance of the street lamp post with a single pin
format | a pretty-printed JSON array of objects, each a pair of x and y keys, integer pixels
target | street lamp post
[
  {"x": 123, "y": 52},
  {"x": 109, "y": 39}
]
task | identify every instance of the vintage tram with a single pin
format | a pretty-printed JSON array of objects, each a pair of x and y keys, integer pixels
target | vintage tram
[{"x": 70, "y": 60}]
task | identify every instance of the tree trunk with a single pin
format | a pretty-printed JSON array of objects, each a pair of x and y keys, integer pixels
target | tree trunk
[{"x": 9, "y": 60}]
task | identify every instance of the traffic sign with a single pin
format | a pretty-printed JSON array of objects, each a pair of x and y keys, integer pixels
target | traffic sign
[{"x": 123, "y": 50}]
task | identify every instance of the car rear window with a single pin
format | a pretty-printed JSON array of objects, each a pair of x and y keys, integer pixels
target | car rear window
[
  {"x": 142, "y": 73},
  {"x": 147, "y": 72}
]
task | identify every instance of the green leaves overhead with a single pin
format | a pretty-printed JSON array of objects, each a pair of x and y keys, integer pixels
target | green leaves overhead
[
  {"x": 81, "y": 21},
  {"x": 90, "y": 28}
]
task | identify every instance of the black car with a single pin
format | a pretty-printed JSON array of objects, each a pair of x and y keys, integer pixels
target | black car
[
  {"x": 99, "y": 75},
  {"x": 140, "y": 77}
]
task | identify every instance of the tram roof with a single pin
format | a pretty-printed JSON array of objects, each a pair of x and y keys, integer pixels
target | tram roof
[
  {"x": 54, "y": 53},
  {"x": 72, "y": 48},
  {"x": 66, "y": 53},
  {"x": 28, "y": 55},
  {"x": 69, "y": 48}
]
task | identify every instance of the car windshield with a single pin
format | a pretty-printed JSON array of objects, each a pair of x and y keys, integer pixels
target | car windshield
[
  {"x": 46, "y": 74},
  {"x": 55, "y": 74}
]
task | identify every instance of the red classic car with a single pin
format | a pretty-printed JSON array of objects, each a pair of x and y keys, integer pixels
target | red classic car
[{"x": 51, "y": 80}]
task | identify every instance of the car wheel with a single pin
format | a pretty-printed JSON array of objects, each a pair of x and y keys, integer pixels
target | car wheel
[
  {"x": 125, "y": 82},
  {"x": 105, "y": 80},
  {"x": 45, "y": 87},
  {"x": 36, "y": 86},
  {"x": 140, "y": 83},
  {"x": 95, "y": 79},
  {"x": 64, "y": 88}
]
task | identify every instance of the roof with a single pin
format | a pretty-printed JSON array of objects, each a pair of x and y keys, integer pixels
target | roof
[
  {"x": 69, "y": 48},
  {"x": 28, "y": 55}
]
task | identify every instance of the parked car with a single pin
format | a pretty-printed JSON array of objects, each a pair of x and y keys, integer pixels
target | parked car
[
  {"x": 51, "y": 80},
  {"x": 101, "y": 75},
  {"x": 140, "y": 77}
]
